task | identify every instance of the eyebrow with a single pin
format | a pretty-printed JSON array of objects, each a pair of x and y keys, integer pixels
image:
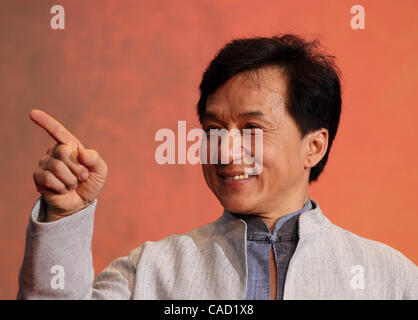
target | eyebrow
[{"x": 247, "y": 114}]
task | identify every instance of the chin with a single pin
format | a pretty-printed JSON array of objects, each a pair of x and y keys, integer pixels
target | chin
[{"x": 237, "y": 206}]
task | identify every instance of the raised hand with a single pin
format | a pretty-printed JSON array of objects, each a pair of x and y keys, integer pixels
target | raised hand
[{"x": 69, "y": 177}]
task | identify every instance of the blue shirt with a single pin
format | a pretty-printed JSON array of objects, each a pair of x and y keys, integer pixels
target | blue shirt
[{"x": 260, "y": 240}]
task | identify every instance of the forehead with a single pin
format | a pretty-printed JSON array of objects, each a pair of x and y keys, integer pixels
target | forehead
[{"x": 263, "y": 89}]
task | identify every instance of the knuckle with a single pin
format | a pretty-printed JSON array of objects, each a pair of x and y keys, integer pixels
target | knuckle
[
  {"x": 57, "y": 166},
  {"x": 72, "y": 181},
  {"x": 38, "y": 189},
  {"x": 53, "y": 183},
  {"x": 53, "y": 149},
  {"x": 43, "y": 180},
  {"x": 36, "y": 176},
  {"x": 47, "y": 179},
  {"x": 43, "y": 162},
  {"x": 62, "y": 152}
]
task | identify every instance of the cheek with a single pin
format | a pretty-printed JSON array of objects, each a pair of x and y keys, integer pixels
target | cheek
[
  {"x": 209, "y": 174},
  {"x": 280, "y": 159}
]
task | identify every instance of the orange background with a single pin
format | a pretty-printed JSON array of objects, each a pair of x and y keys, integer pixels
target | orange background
[{"x": 121, "y": 70}]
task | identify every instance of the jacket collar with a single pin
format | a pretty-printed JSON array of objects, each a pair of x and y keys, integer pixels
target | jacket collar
[
  {"x": 310, "y": 221},
  {"x": 231, "y": 237}
]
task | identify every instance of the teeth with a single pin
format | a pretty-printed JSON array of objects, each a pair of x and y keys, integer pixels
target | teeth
[{"x": 238, "y": 177}]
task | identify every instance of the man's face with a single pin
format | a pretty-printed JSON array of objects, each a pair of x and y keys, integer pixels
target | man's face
[{"x": 256, "y": 99}]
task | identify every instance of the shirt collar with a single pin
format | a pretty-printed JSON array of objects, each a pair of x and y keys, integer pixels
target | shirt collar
[
  {"x": 256, "y": 227},
  {"x": 310, "y": 221}
]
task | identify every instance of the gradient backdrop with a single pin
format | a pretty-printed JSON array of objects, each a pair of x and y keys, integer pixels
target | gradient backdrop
[{"x": 121, "y": 70}]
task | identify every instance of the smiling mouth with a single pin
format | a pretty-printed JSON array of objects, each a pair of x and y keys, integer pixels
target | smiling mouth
[{"x": 238, "y": 178}]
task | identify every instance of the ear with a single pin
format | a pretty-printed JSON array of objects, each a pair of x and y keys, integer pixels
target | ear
[{"x": 316, "y": 147}]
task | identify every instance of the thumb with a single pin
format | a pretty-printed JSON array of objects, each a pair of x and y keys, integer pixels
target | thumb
[
  {"x": 84, "y": 156},
  {"x": 91, "y": 159}
]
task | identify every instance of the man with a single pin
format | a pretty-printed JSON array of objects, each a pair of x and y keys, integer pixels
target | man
[{"x": 272, "y": 241}]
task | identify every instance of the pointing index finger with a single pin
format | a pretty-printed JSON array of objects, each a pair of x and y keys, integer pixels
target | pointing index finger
[{"x": 54, "y": 128}]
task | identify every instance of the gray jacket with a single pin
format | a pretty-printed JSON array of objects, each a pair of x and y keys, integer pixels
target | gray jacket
[{"x": 208, "y": 263}]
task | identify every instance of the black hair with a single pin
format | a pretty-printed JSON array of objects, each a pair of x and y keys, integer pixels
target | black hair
[{"x": 313, "y": 83}]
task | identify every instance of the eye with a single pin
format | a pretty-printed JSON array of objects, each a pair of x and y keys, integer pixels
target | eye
[
  {"x": 208, "y": 128},
  {"x": 253, "y": 126},
  {"x": 253, "y": 129}
]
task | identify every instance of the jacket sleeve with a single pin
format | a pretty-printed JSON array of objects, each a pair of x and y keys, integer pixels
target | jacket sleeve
[{"x": 57, "y": 262}]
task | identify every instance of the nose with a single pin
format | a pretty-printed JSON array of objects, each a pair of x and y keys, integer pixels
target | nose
[
  {"x": 225, "y": 146},
  {"x": 235, "y": 147},
  {"x": 231, "y": 147}
]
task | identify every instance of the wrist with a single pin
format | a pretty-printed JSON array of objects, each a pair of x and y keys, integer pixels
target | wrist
[{"x": 54, "y": 215}]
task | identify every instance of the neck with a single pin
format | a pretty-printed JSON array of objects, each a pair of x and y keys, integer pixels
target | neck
[{"x": 283, "y": 207}]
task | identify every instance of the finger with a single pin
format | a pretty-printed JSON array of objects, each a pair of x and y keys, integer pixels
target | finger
[
  {"x": 46, "y": 181},
  {"x": 54, "y": 128},
  {"x": 92, "y": 160},
  {"x": 60, "y": 170},
  {"x": 68, "y": 155}
]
